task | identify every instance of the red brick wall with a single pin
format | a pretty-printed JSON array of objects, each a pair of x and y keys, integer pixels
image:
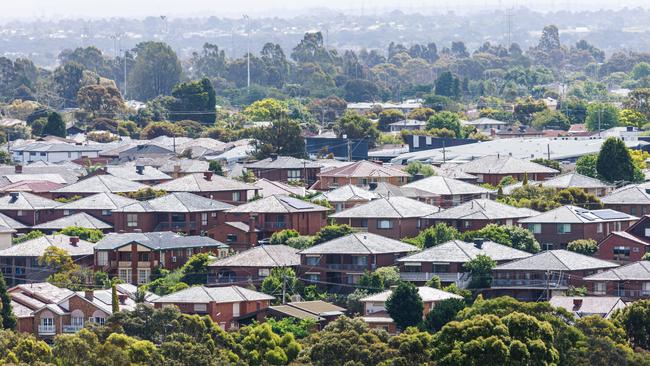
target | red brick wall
[
  {"x": 281, "y": 175},
  {"x": 606, "y": 249},
  {"x": 327, "y": 182},
  {"x": 402, "y": 228},
  {"x": 635, "y": 210},
  {"x": 550, "y": 235}
]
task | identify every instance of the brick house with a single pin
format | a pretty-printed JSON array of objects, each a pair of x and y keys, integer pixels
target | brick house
[
  {"x": 19, "y": 263},
  {"x": 28, "y": 208},
  {"x": 581, "y": 306},
  {"x": 492, "y": 168},
  {"x": 632, "y": 199},
  {"x": 576, "y": 180},
  {"x": 544, "y": 274},
  {"x": 96, "y": 184},
  {"x": 478, "y": 213},
  {"x": 211, "y": 186},
  {"x": 132, "y": 256},
  {"x": 630, "y": 282},
  {"x": 138, "y": 173},
  {"x": 446, "y": 261},
  {"x": 177, "y": 211},
  {"x": 100, "y": 205},
  {"x": 449, "y": 192},
  {"x": 361, "y": 173},
  {"x": 341, "y": 262},
  {"x": 316, "y": 310},
  {"x": 253, "y": 265},
  {"x": 41, "y": 188},
  {"x": 229, "y": 306},
  {"x": 80, "y": 219},
  {"x": 392, "y": 217},
  {"x": 627, "y": 246},
  {"x": 285, "y": 169},
  {"x": 347, "y": 196},
  {"x": 384, "y": 189},
  {"x": 556, "y": 228}
]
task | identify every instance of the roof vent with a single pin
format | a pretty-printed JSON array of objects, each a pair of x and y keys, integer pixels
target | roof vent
[
  {"x": 139, "y": 169},
  {"x": 647, "y": 190},
  {"x": 14, "y": 197},
  {"x": 274, "y": 156},
  {"x": 577, "y": 303},
  {"x": 372, "y": 186},
  {"x": 207, "y": 176},
  {"x": 74, "y": 241},
  {"x": 478, "y": 242}
]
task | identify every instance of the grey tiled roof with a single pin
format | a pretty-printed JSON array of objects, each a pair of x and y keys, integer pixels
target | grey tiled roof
[
  {"x": 282, "y": 162},
  {"x": 26, "y": 201},
  {"x": 197, "y": 183},
  {"x": 269, "y": 188},
  {"x": 389, "y": 207},
  {"x": 458, "y": 251},
  {"x": 55, "y": 147},
  {"x": 577, "y": 215},
  {"x": 589, "y": 305},
  {"x": 385, "y": 189},
  {"x": 277, "y": 204},
  {"x": 503, "y": 164},
  {"x": 204, "y": 295},
  {"x": 185, "y": 165},
  {"x": 102, "y": 183},
  {"x": 454, "y": 173},
  {"x": 7, "y": 222},
  {"x": 349, "y": 193},
  {"x": 483, "y": 209},
  {"x": 36, "y": 247},
  {"x": 98, "y": 201},
  {"x": 363, "y": 169},
  {"x": 444, "y": 186},
  {"x": 266, "y": 256},
  {"x": 638, "y": 194},
  {"x": 80, "y": 219},
  {"x": 427, "y": 294},
  {"x": 129, "y": 172},
  {"x": 635, "y": 271},
  {"x": 574, "y": 180},
  {"x": 360, "y": 243},
  {"x": 177, "y": 202},
  {"x": 556, "y": 260},
  {"x": 158, "y": 240}
]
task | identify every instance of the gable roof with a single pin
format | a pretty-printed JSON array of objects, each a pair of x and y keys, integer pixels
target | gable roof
[
  {"x": 484, "y": 121},
  {"x": 269, "y": 188},
  {"x": 556, "y": 260},
  {"x": 204, "y": 295},
  {"x": 445, "y": 186},
  {"x": 26, "y": 201},
  {"x": 36, "y": 247},
  {"x": 635, "y": 271},
  {"x": 362, "y": 169},
  {"x": 196, "y": 182},
  {"x": 177, "y": 202},
  {"x": 389, "y": 207},
  {"x": 577, "y": 215},
  {"x": 282, "y": 162},
  {"x": 130, "y": 172},
  {"x": 503, "y": 164},
  {"x": 158, "y": 240},
  {"x": 588, "y": 305},
  {"x": 458, "y": 251},
  {"x": 266, "y": 256},
  {"x": 427, "y": 294},
  {"x": 7, "y": 223},
  {"x": 102, "y": 183},
  {"x": 483, "y": 209},
  {"x": 636, "y": 194},
  {"x": 80, "y": 219},
  {"x": 348, "y": 192},
  {"x": 184, "y": 166},
  {"x": 385, "y": 189},
  {"x": 277, "y": 204},
  {"x": 574, "y": 179},
  {"x": 36, "y": 186},
  {"x": 360, "y": 243},
  {"x": 98, "y": 201}
]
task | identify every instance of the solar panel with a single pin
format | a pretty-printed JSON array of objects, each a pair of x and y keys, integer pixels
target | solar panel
[
  {"x": 296, "y": 203},
  {"x": 586, "y": 215},
  {"x": 608, "y": 214}
]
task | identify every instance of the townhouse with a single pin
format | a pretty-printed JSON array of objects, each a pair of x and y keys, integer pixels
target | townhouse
[
  {"x": 98, "y": 184},
  {"x": 384, "y": 189},
  {"x": 630, "y": 282},
  {"x": 449, "y": 192},
  {"x": 338, "y": 264},
  {"x": 556, "y": 228},
  {"x": 361, "y": 173},
  {"x": 132, "y": 256},
  {"x": 253, "y": 265},
  {"x": 627, "y": 246},
  {"x": 230, "y": 306},
  {"x": 177, "y": 168},
  {"x": 99, "y": 205},
  {"x": 318, "y": 311},
  {"x": 285, "y": 169},
  {"x": 211, "y": 186},
  {"x": 632, "y": 199},
  {"x": 347, "y": 196},
  {"x": 446, "y": 261},
  {"x": 80, "y": 219},
  {"x": 478, "y": 213},
  {"x": 138, "y": 173},
  {"x": 392, "y": 217},
  {"x": 269, "y": 188},
  {"x": 52, "y": 152},
  {"x": 27, "y": 208},
  {"x": 492, "y": 168}
]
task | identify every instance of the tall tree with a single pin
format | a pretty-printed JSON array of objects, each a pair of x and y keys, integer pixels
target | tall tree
[
  {"x": 194, "y": 100},
  {"x": 115, "y": 300},
  {"x": 614, "y": 161},
  {"x": 405, "y": 305},
  {"x": 100, "y": 100},
  {"x": 157, "y": 69},
  {"x": 7, "y": 317},
  {"x": 283, "y": 138},
  {"x": 55, "y": 126},
  {"x": 447, "y": 85},
  {"x": 356, "y": 126},
  {"x": 601, "y": 116}
]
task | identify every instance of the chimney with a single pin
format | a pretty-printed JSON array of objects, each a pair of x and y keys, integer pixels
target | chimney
[
  {"x": 478, "y": 243},
  {"x": 372, "y": 186},
  {"x": 74, "y": 241},
  {"x": 207, "y": 176},
  {"x": 14, "y": 197},
  {"x": 121, "y": 298},
  {"x": 177, "y": 170},
  {"x": 251, "y": 223},
  {"x": 274, "y": 157},
  {"x": 139, "y": 169},
  {"x": 577, "y": 303},
  {"x": 89, "y": 294},
  {"x": 18, "y": 169}
]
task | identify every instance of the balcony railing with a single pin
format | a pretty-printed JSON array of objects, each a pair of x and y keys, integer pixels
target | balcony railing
[
  {"x": 72, "y": 328},
  {"x": 457, "y": 277},
  {"x": 175, "y": 225},
  {"x": 535, "y": 283},
  {"x": 636, "y": 294},
  {"x": 269, "y": 225},
  {"x": 46, "y": 329},
  {"x": 348, "y": 266}
]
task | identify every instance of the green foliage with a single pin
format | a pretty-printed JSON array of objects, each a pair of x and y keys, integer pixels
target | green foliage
[
  {"x": 630, "y": 117},
  {"x": 480, "y": 268},
  {"x": 356, "y": 126},
  {"x": 267, "y": 110},
  {"x": 283, "y": 138},
  {"x": 447, "y": 120},
  {"x": 434, "y": 282},
  {"x": 577, "y": 291},
  {"x": 405, "y": 305},
  {"x": 525, "y": 109},
  {"x": 7, "y": 317},
  {"x": 156, "y": 71},
  {"x": 166, "y": 283},
  {"x": 194, "y": 100},
  {"x": 601, "y": 115},
  {"x": 91, "y": 235},
  {"x": 586, "y": 165},
  {"x": 583, "y": 246},
  {"x": 330, "y": 232},
  {"x": 54, "y": 126},
  {"x": 379, "y": 279},
  {"x": 512, "y": 236},
  {"x": 144, "y": 194},
  {"x": 548, "y": 119},
  {"x": 447, "y": 85},
  {"x": 216, "y": 168},
  {"x": 418, "y": 168},
  {"x": 635, "y": 321},
  {"x": 300, "y": 328},
  {"x": 33, "y": 234},
  {"x": 353, "y": 303},
  {"x": 388, "y": 116},
  {"x": 300, "y": 242},
  {"x": 261, "y": 346},
  {"x": 281, "y": 237},
  {"x": 547, "y": 163},
  {"x": 614, "y": 161},
  {"x": 441, "y": 314},
  {"x": 434, "y": 235},
  {"x": 115, "y": 301},
  {"x": 156, "y": 129},
  {"x": 273, "y": 284},
  {"x": 195, "y": 270},
  {"x": 578, "y": 197}
]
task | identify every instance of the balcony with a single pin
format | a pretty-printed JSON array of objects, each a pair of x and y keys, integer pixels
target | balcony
[
  {"x": 175, "y": 225},
  {"x": 632, "y": 294},
  {"x": 457, "y": 277},
  {"x": 144, "y": 264},
  {"x": 273, "y": 226},
  {"x": 72, "y": 328},
  {"x": 349, "y": 266},
  {"x": 552, "y": 283},
  {"x": 46, "y": 329}
]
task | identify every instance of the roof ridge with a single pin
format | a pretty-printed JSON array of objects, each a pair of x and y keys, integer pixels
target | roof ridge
[
  {"x": 269, "y": 254},
  {"x": 207, "y": 293},
  {"x": 236, "y": 289},
  {"x": 461, "y": 248},
  {"x": 394, "y": 208},
  {"x": 559, "y": 260},
  {"x": 360, "y": 242}
]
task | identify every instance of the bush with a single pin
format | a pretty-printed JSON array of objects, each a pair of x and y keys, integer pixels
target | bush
[
  {"x": 583, "y": 246},
  {"x": 281, "y": 237},
  {"x": 441, "y": 314}
]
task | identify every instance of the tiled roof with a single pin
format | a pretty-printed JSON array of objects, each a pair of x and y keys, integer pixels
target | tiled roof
[
  {"x": 573, "y": 180},
  {"x": 364, "y": 169},
  {"x": 349, "y": 193},
  {"x": 277, "y": 204},
  {"x": 177, "y": 202},
  {"x": 282, "y": 162},
  {"x": 269, "y": 188},
  {"x": 457, "y": 251},
  {"x": 636, "y": 194},
  {"x": 385, "y": 189},
  {"x": 102, "y": 183},
  {"x": 7, "y": 223},
  {"x": 589, "y": 305},
  {"x": 26, "y": 201},
  {"x": 204, "y": 295},
  {"x": 635, "y": 271},
  {"x": 266, "y": 256},
  {"x": 41, "y": 292},
  {"x": 158, "y": 240},
  {"x": 98, "y": 201},
  {"x": 483, "y": 209},
  {"x": 428, "y": 294},
  {"x": 494, "y": 164},
  {"x": 36, "y": 247},
  {"x": 185, "y": 166},
  {"x": 454, "y": 173},
  {"x": 445, "y": 186},
  {"x": 80, "y": 219},
  {"x": 37, "y": 186},
  {"x": 389, "y": 207},
  {"x": 360, "y": 243},
  {"x": 577, "y": 215},
  {"x": 628, "y": 236},
  {"x": 130, "y": 172},
  {"x": 556, "y": 260},
  {"x": 55, "y": 147},
  {"x": 197, "y": 183}
]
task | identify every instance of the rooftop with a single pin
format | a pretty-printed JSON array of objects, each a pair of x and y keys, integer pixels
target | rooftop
[
  {"x": 445, "y": 186},
  {"x": 363, "y": 169},
  {"x": 277, "y": 204},
  {"x": 36, "y": 247},
  {"x": 159, "y": 240},
  {"x": 98, "y": 201},
  {"x": 348, "y": 193},
  {"x": 201, "y": 182},
  {"x": 635, "y": 271},
  {"x": 483, "y": 209},
  {"x": 80, "y": 219},
  {"x": 25, "y": 201},
  {"x": 102, "y": 183},
  {"x": 588, "y": 305},
  {"x": 204, "y": 295},
  {"x": 266, "y": 256},
  {"x": 458, "y": 251},
  {"x": 556, "y": 260},
  {"x": 177, "y": 202},
  {"x": 282, "y": 162},
  {"x": 389, "y": 207},
  {"x": 360, "y": 243},
  {"x": 428, "y": 294},
  {"x": 578, "y": 215}
]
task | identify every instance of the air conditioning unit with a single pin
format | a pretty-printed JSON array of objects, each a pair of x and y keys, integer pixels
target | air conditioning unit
[{"x": 174, "y": 259}]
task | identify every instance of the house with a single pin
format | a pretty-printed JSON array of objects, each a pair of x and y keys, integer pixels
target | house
[
  {"x": 27, "y": 208},
  {"x": 581, "y": 306},
  {"x": 633, "y": 199},
  {"x": 407, "y": 125},
  {"x": 590, "y": 185},
  {"x": 627, "y": 246},
  {"x": 544, "y": 274},
  {"x": 229, "y": 306},
  {"x": 361, "y": 173},
  {"x": 80, "y": 219},
  {"x": 46, "y": 310},
  {"x": 177, "y": 168},
  {"x": 52, "y": 152},
  {"x": 254, "y": 264},
  {"x": 341, "y": 262},
  {"x": 138, "y": 173},
  {"x": 269, "y": 188},
  {"x": 492, "y": 168},
  {"x": 556, "y": 228},
  {"x": 478, "y": 213},
  {"x": 450, "y": 171},
  {"x": 392, "y": 217},
  {"x": 19, "y": 262},
  {"x": 285, "y": 169},
  {"x": 98, "y": 184},
  {"x": 384, "y": 189},
  {"x": 347, "y": 196},
  {"x": 211, "y": 186},
  {"x": 486, "y": 125},
  {"x": 41, "y": 188},
  {"x": 449, "y": 192},
  {"x": 447, "y": 260},
  {"x": 177, "y": 211},
  {"x": 8, "y": 227},
  {"x": 132, "y": 256},
  {"x": 99, "y": 205},
  {"x": 630, "y": 282},
  {"x": 318, "y": 311},
  {"x": 270, "y": 214}
]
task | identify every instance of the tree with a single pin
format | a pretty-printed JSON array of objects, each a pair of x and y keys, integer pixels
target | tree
[
  {"x": 639, "y": 100},
  {"x": 630, "y": 117},
  {"x": 7, "y": 317},
  {"x": 267, "y": 110},
  {"x": 216, "y": 168},
  {"x": 388, "y": 116},
  {"x": 68, "y": 79},
  {"x": 57, "y": 259},
  {"x": 115, "y": 301},
  {"x": 553, "y": 164},
  {"x": 156, "y": 129},
  {"x": 283, "y": 138},
  {"x": 614, "y": 162},
  {"x": 195, "y": 270},
  {"x": 194, "y": 100},
  {"x": 635, "y": 320},
  {"x": 601, "y": 116},
  {"x": 281, "y": 237},
  {"x": 421, "y": 114},
  {"x": 359, "y": 90},
  {"x": 434, "y": 282},
  {"x": 155, "y": 72},
  {"x": 100, "y": 100},
  {"x": 446, "y": 119},
  {"x": 480, "y": 268},
  {"x": 441, "y": 314},
  {"x": 281, "y": 280},
  {"x": 261, "y": 346},
  {"x": 447, "y": 85},
  {"x": 418, "y": 168},
  {"x": 405, "y": 305},
  {"x": 513, "y": 236},
  {"x": 54, "y": 126},
  {"x": 434, "y": 235},
  {"x": 331, "y": 232},
  {"x": 379, "y": 279},
  {"x": 355, "y": 126},
  {"x": 548, "y": 119},
  {"x": 525, "y": 109},
  {"x": 91, "y": 235},
  {"x": 586, "y": 165},
  {"x": 578, "y": 197},
  {"x": 33, "y": 234}
]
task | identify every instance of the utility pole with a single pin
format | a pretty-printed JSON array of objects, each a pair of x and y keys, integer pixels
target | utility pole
[
  {"x": 284, "y": 288},
  {"x": 548, "y": 151},
  {"x": 349, "y": 150},
  {"x": 248, "y": 53},
  {"x": 548, "y": 297}
]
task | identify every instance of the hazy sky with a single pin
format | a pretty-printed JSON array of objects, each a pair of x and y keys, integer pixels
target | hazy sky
[{"x": 140, "y": 8}]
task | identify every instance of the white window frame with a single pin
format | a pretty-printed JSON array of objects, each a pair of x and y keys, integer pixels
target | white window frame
[
  {"x": 564, "y": 228},
  {"x": 204, "y": 219},
  {"x": 102, "y": 258},
  {"x": 144, "y": 275},
  {"x": 236, "y": 196},
  {"x": 131, "y": 220},
  {"x": 600, "y": 288},
  {"x": 263, "y": 272},
  {"x": 381, "y": 224},
  {"x": 535, "y": 228},
  {"x": 125, "y": 274}
]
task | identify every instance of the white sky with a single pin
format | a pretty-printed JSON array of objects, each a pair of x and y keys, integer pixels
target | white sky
[{"x": 140, "y": 8}]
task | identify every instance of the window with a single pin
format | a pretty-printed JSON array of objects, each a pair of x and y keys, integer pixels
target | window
[
  {"x": 107, "y": 213},
  {"x": 263, "y": 272},
  {"x": 418, "y": 223},
  {"x": 200, "y": 308},
  {"x": 312, "y": 261},
  {"x": 599, "y": 228},
  {"x": 20, "y": 213},
  {"x": 204, "y": 219},
  {"x": 293, "y": 175},
  {"x": 535, "y": 228},
  {"x": 97, "y": 320},
  {"x": 364, "y": 181},
  {"x": 102, "y": 258},
  {"x": 131, "y": 220},
  {"x": 231, "y": 238},
  {"x": 647, "y": 232},
  {"x": 467, "y": 224},
  {"x": 384, "y": 224},
  {"x": 125, "y": 275},
  {"x": 77, "y": 322},
  {"x": 359, "y": 260},
  {"x": 618, "y": 225},
  {"x": 66, "y": 212},
  {"x": 213, "y": 214},
  {"x": 455, "y": 200},
  {"x": 563, "y": 228},
  {"x": 599, "y": 288},
  {"x": 143, "y": 257},
  {"x": 235, "y": 309},
  {"x": 621, "y": 252},
  {"x": 143, "y": 276},
  {"x": 189, "y": 252},
  {"x": 364, "y": 222},
  {"x": 313, "y": 277},
  {"x": 236, "y": 196},
  {"x": 125, "y": 256}
]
